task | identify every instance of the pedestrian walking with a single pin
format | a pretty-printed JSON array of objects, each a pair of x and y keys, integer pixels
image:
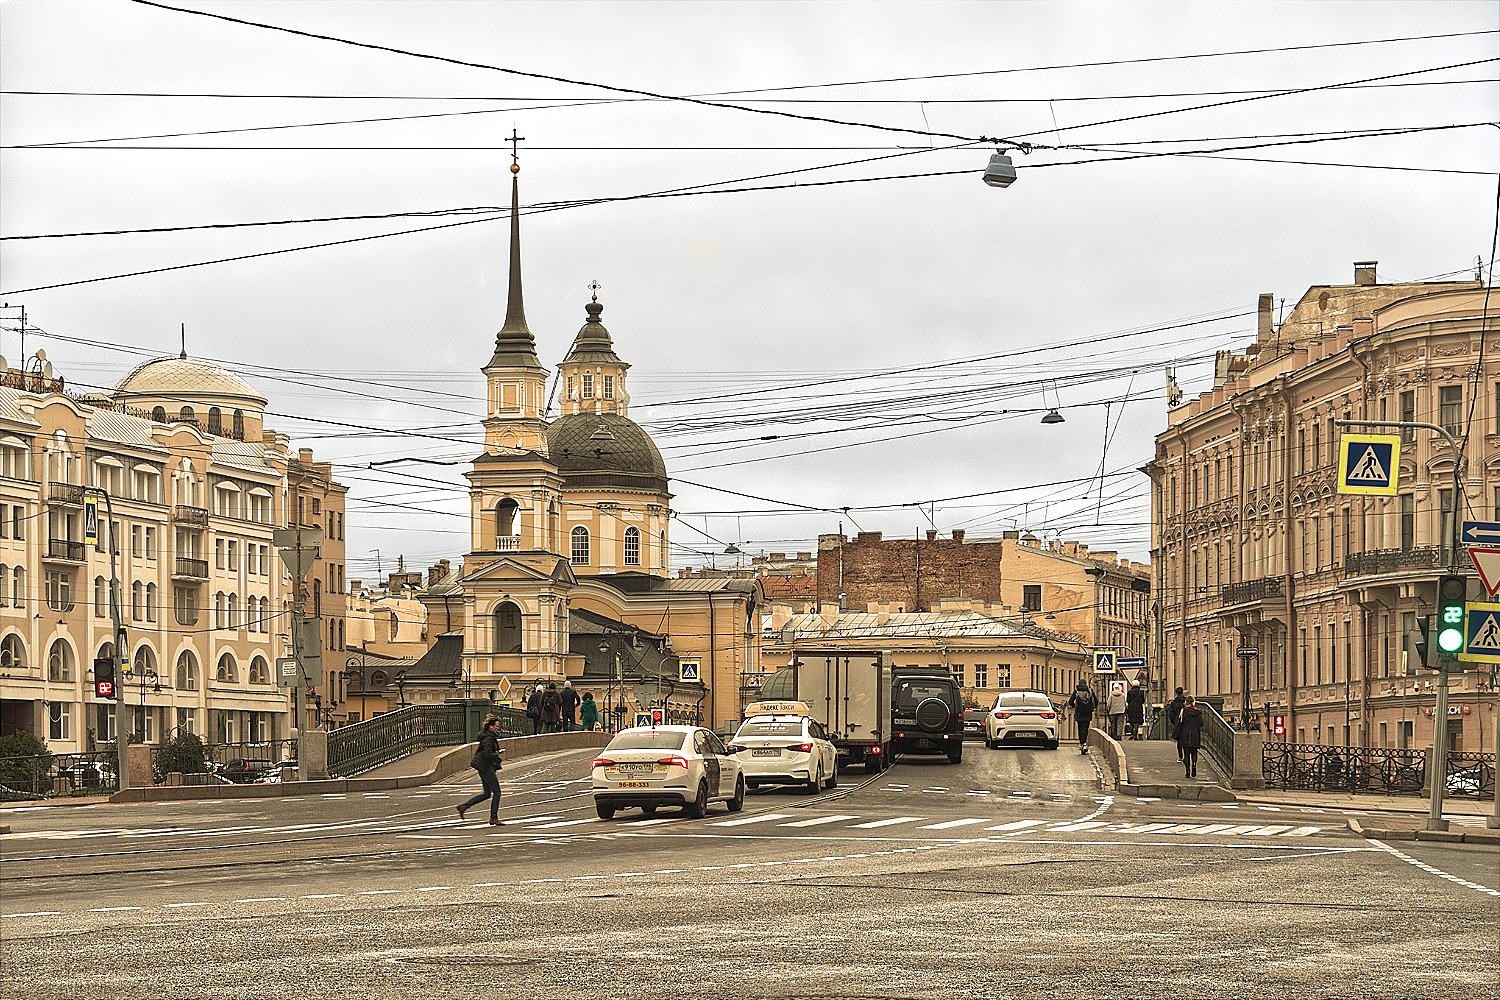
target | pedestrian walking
[
  {"x": 569, "y": 706},
  {"x": 1083, "y": 702},
  {"x": 1116, "y": 708},
  {"x": 1189, "y": 729},
  {"x": 486, "y": 761},
  {"x": 534, "y": 709},
  {"x": 1174, "y": 713},
  {"x": 1135, "y": 710},
  {"x": 551, "y": 705},
  {"x": 588, "y": 712}
]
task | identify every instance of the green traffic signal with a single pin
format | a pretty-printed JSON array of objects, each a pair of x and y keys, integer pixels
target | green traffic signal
[
  {"x": 1450, "y": 640},
  {"x": 1453, "y": 592}
]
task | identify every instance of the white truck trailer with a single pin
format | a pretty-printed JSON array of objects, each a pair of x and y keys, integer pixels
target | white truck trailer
[{"x": 849, "y": 694}]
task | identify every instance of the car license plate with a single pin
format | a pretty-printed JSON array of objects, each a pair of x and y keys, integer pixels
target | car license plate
[
  {"x": 635, "y": 768},
  {"x": 633, "y": 784},
  {"x": 765, "y": 752}
]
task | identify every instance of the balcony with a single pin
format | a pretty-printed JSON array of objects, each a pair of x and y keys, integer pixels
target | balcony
[
  {"x": 1247, "y": 591},
  {"x": 65, "y": 493},
  {"x": 1381, "y": 561},
  {"x": 190, "y": 569},
  {"x": 62, "y": 550},
  {"x": 508, "y": 543},
  {"x": 189, "y": 517}
]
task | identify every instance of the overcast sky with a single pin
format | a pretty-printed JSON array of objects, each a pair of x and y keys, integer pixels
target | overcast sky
[{"x": 831, "y": 321}]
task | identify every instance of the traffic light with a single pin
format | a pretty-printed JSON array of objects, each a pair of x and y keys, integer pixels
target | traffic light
[
  {"x": 104, "y": 678},
  {"x": 658, "y": 717},
  {"x": 1278, "y": 725},
  {"x": 1452, "y": 592},
  {"x": 1416, "y": 645}
]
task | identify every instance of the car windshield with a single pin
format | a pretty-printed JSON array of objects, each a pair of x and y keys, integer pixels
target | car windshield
[
  {"x": 1022, "y": 699},
  {"x": 653, "y": 740},
  {"x": 911, "y": 694},
  {"x": 779, "y": 727}
]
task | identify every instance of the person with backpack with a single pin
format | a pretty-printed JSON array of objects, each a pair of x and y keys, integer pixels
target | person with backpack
[
  {"x": 534, "y": 709},
  {"x": 1174, "y": 713},
  {"x": 1083, "y": 702},
  {"x": 570, "y": 701},
  {"x": 551, "y": 705}
]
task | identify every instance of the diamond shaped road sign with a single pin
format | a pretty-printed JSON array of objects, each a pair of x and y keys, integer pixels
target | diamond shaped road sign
[{"x": 1487, "y": 562}]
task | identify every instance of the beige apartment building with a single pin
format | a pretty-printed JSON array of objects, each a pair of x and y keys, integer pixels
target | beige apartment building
[
  {"x": 196, "y": 485},
  {"x": 1255, "y": 550}
]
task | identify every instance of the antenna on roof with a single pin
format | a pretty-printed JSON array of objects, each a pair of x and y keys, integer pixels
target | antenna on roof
[{"x": 183, "y": 355}]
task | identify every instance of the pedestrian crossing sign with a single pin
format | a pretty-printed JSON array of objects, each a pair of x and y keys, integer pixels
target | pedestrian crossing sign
[
  {"x": 1369, "y": 464},
  {"x": 1481, "y": 633},
  {"x": 1104, "y": 661}
]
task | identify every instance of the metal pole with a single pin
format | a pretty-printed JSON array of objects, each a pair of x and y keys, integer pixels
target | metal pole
[
  {"x": 121, "y": 738},
  {"x": 1493, "y": 822}
]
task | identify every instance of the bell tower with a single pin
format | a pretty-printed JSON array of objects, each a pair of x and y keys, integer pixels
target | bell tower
[{"x": 593, "y": 376}]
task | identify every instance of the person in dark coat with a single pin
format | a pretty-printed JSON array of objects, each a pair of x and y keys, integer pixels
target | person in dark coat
[
  {"x": 487, "y": 761},
  {"x": 551, "y": 709},
  {"x": 534, "y": 709},
  {"x": 1083, "y": 702},
  {"x": 1135, "y": 710},
  {"x": 1174, "y": 712},
  {"x": 569, "y": 706},
  {"x": 1189, "y": 737}
]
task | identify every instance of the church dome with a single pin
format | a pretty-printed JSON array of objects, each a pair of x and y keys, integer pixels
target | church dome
[
  {"x": 605, "y": 451},
  {"x": 182, "y": 378}
]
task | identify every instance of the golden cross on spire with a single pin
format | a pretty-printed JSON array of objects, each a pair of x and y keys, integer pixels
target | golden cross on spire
[
  {"x": 594, "y": 287},
  {"x": 515, "y": 158}
]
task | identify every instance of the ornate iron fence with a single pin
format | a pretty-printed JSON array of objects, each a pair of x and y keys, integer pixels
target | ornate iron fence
[
  {"x": 1320, "y": 768},
  {"x": 1471, "y": 774},
  {"x": 58, "y": 774},
  {"x": 365, "y": 745},
  {"x": 244, "y": 763}
]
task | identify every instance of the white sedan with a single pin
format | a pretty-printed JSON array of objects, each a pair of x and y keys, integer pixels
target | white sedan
[
  {"x": 776, "y": 749},
  {"x": 666, "y": 766}
]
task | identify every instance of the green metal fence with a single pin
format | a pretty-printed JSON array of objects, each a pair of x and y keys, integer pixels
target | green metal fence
[{"x": 367, "y": 745}]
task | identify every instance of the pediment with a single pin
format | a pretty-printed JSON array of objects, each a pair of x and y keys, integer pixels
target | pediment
[{"x": 521, "y": 568}]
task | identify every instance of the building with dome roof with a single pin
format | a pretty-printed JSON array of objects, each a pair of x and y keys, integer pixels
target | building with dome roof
[
  {"x": 572, "y": 513},
  {"x": 196, "y": 485}
]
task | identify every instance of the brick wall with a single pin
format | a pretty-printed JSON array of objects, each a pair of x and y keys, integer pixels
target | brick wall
[{"x": 917, "y": 572}]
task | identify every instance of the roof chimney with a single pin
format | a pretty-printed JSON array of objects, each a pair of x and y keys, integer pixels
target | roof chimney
[
  {"x": 1364, "y": 272},
  {"x": 958, "y": 534},
  {"x": 1263, "y": 316}
]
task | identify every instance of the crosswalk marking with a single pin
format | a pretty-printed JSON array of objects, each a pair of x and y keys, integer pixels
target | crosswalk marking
[
  {"x": 1071, "y": 827},
  {"x": 1019, "y": 824},
  {"x": 952, "y": 823},
  {"x": 566, "y": 822},
  {"x": 1267, "y": 831},
  {"x": 819, "y": 821},
  {"x": 887, "y": 822},
  {"x": 753, "y": 819}
]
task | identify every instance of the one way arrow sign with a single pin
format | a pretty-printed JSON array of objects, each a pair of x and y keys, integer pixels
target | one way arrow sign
[{"x": 1480, "y": 532}]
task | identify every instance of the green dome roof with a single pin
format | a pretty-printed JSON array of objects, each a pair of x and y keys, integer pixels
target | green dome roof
[{"x": 605, "y": 451}]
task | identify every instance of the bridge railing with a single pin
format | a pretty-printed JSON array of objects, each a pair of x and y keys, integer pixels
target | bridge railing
[{"x": 366, "y": 745}]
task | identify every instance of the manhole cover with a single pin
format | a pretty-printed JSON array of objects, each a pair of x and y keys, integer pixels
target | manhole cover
[{"x": 462, "y": 960}]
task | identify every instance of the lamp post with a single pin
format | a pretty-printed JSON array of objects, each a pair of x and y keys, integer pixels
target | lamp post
[{"x": 401, "y": 687}]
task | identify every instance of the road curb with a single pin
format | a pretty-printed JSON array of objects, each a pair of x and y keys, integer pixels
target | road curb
[
  {"x": 1186, "y": 793},
  {"x": 1451, "y": 836}
]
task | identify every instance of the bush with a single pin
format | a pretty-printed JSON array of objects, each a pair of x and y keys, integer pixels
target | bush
[
  {"x": 184, "y": 753},
  {"x": 18, "y": 773}
]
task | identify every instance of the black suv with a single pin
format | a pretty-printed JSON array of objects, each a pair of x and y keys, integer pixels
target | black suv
[{"x": 927, "y": 713}]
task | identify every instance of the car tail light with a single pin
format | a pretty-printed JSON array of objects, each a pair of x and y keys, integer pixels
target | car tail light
[
  {"x": 802, "y": 747},
  {"x": 1049, "y": 715},
  {"x": 736, "y": 748},
  {"x": 1003, "y": 715},
  {"x": 674, "y": 762},
  {"x": 603, "y": 762}
]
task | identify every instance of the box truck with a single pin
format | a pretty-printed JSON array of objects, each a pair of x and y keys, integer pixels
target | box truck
[{"x": 849, "y": 694}]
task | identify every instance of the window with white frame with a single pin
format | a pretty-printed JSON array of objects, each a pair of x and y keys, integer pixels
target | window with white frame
[
  {"x": 260, "y": 671},
  {"x": 632, "y": 546},
  {"x": 137, "y": 599},
  {"x": 588, "y": 386},
  {"x": 187, "y": 671},
  {"x": 18, "y": 522},
  {"x": 12, "y": 653},
  {"x": 60, "y": 590},
  {"x": 187, "y": 720},
  {"x": 185, "y": 605},
  {"x": 227, "y": 671},
  {"x": 15, "y": 459},
  {"x": 58, "y": 719},
  {"x": 609, "y": 386},
  {"x": 260, "y": 507},
  {"x": 18, "y": 587},
  {"x": 981, "y": 675},
  {"x": 101, "y": 597},
  {"x": 150, "y": 541},
  {"x": 60, "y": 662},
  {"x": 151, "y": 602},
  {"x": 580, "y": 546}
]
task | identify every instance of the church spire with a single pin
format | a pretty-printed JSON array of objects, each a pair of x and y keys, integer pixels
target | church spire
[{"x": 514, "y": 345}]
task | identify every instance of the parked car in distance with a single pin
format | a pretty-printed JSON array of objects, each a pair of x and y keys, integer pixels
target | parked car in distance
[
  {"x": 285, "y": 771},
  {"x": 974, "y": 723},
  {"x": 1469, "y": 781},
  {"x": 653, "y": 766},
  {"x": 241, "y": 771},
  {"x": 1021, "y": 715}
]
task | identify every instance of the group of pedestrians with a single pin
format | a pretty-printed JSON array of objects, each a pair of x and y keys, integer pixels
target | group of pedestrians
[
  {"x": 1184, "y": 718},
  {"x": 554, "y": 710}
]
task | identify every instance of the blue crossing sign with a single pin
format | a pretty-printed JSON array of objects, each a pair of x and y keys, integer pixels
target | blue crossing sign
[
  {"x": 1369, "y": 464},
  {"x": 1104, "y": 661},
  {"x": 1481, "y": 633}
]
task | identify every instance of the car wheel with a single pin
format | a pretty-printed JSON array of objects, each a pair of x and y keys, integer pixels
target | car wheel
[
  {"x": 833, "y": 779},
  {"x": 1051, "y": 744},
  {"x": 604, "y": 811},
  {"x": 990, "y": 744},
  {"x": 698, "y": 808},
  {"x": 816, "y": 784},
  {"x": 649, "y": 810},
  {"x": 738, "y": 802},
  {"x": 957, "y": 756}
]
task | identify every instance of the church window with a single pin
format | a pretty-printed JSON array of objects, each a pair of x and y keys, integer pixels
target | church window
[
  {"x": 580, "y": 554},
  {"x": 215, "y": 421},
  {"x": 609, "y": 386},
  {"x": 159, "y": 414},
  {"x": 505, "y": 518},
  {"x": 507, "y": 628},
  {"x": 588, "y": 386},
  {"x": 632, "y": 547}
]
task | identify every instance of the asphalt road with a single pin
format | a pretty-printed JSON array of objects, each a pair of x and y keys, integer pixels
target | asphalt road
[{"x": 1010, "y": 874}]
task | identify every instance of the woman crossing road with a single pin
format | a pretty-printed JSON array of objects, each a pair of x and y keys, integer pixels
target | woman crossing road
[{"x": 487, "y": 761}]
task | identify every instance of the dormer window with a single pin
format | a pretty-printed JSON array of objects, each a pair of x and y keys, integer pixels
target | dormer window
[
  {"x": 609, "y": 386},
  {"x": 588, "y": 386}
]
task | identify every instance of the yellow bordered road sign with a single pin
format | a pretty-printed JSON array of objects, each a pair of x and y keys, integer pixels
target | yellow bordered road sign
[
  {"x": 1481, "y": 633},
  {"x": 1369, "y": 464}
]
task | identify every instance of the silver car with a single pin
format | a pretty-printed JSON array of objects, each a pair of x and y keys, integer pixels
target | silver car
[{"x": 684, "y": 766}]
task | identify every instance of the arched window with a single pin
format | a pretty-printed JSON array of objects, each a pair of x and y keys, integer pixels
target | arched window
[
  {"x": 186, "y": 413},
  {"x": 18, "y": 587},
  {"x": 219, "y": 610},
  {"x": 187, "y": 671},
  {"x": 144, "y": 660},
  {"x": 265, "y": 614},
  {"x": 378, "y": 679},
  {"x": 234, "y": 610},
  {"x": 260, "y": 673},
  {"x": 507, "y": 628},
  {"x": 661, "y": 553},
  {"x": 60, "y": 662},
  {"x": 580, "y": 539},
  {"x": 227, "y": 672},
  {"x": 101, "y": 597},
  {"x": 12, "y": 653},
  {"x": 159, "y": 414},
  {"x": 151, "y": 602},
  {"x": 317, "y": 598},
  {"x": 632, "y": 546},
  {"x": 215, "y": 421},
  {"x": 239, "y": 424},
  {"x": 505, "y": 519},
  {"x": 137, "y": 598}
]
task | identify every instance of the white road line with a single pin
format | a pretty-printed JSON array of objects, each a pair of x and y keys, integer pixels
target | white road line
[
  {"x": 257, "y": 899},
  {"x": 434, "y": 888},
  {"x": 1213, "y": 828},
  {"x": 753, "y": 819},
  {"x": 952, "y": 823},
  {"x": 530, "y": 819},
  {"x": 323, "y": 895},
  {"x": 1071, "y": 827},
  {"x": 1019, "y": 824},
  {"x": 1267, "y": 831},
  {"x": 120, "y": 909},
  {"x": 1147, "y": 828},
  {"x": 33, "y": 913},
  {"x": 818, "y": 821},
  {"x": 173, "y": 906},
  {"x": 566, "y": 822},
  {"x": 887, "y": 822},
  {"x": 1303, "y": 831},
  {"x": 1434, "y": 871},
  {"x": 1236, "y": 831}
]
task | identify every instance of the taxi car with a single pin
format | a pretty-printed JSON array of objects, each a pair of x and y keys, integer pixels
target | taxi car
[
  {"x": 780, "y": 744},
  {"x": 651, "y": 766},
  {"x": 1022, "y": 715}
]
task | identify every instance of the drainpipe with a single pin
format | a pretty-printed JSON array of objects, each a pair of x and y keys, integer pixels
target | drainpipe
[
  {"x": 1366, "y": 660},
  {"x": 1288, "y": 582}
]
